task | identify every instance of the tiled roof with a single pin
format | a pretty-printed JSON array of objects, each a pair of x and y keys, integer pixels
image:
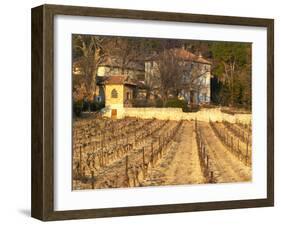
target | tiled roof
[
  {"x": 183, "y": 55},
  {"x": 186, "y": 55},
  {"x": 118, "y": 80}
]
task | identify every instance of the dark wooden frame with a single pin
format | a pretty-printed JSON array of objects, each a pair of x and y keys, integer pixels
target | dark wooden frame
[{"x": 42, "y": 202}]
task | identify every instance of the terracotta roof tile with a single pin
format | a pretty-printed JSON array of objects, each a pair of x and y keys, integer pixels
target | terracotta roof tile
[
  {"x": 117, "y": 79},
  {"x": 184, "y": 55}
]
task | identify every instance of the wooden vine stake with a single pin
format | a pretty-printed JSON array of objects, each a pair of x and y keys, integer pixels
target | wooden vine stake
[
  {"x": 232, "y": 143},
  {"x": 247, "y": 150},
  {"x": 143, "y": 159},
  {"x": 80, "y": 161},
  {"x": 126, "y": 171},
  {"x": 152, "y": 155},
  {"x": 135, "y": 137},
  {"x": 93, "y": 179}
]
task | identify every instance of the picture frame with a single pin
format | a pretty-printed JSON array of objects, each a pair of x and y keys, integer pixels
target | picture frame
[{"x": 42, "y": 192}]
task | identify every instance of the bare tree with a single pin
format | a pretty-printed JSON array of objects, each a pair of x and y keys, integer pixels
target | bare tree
[
  {"x": 194, "y": 77},
  {"x": 125, "y": 51},
  {"x": 231, "y": 59},
  {"x": 178, "y": 74},
  {"x": 170, "y": 71},
  {"x": 91, "y": 53}
]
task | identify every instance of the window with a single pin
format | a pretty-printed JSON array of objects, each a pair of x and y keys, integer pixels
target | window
[{"x": 114, "y": 94}]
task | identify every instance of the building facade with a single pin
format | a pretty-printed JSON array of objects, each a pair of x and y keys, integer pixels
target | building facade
[
  {"x": 195, "y": 78},
  {"x": 118, "y": 86},
  {"x": 112, "y": 66},
  {"x": 119, "y": 92}
]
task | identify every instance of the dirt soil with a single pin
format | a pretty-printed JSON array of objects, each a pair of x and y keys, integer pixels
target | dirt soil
[
  {"x": 181, "y": 163},
  {"x": 226, "y": 167}
]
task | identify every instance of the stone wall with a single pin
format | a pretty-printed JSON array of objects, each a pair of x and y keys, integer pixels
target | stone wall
[{"x": 213, "y": 114}]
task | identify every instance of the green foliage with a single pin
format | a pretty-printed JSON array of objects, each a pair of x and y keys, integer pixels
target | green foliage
[
  {"x": 225, "y": 93},
  {"x": 227, "y": 53},
  {"x": 86, "y": 106},
  {"x": 232, "y": 67},
  {"x": 96, "y": 106},
  {"x": 234, "y": 90},
  {"x": 148, "y": 103},
  {"x": 185, "y": 107},
  {"x": 80, "y": 106},
  {"x": 142, "y": 103}
]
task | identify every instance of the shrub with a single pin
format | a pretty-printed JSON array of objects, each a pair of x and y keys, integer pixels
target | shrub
[
  {"x": 77, "y": 108},
  {"x": 174, "y": 103},
  {"x": 86, "y": 106},
  {"x": 143, "y": 103},
  {"x": 190, "y": 108},
  {"x": 159, "y": 103},
  {"x": 195, "y": 108},
  {"x": 96, "y": 106},
  {"x": 185, "y": 107},
  {"x": 139, "y": 103}
]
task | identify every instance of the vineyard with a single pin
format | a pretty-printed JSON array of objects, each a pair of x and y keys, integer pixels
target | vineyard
[{"x": 134, "y": 152}]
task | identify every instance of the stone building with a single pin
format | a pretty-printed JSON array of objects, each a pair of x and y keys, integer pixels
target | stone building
[
  {"x": 119, "y": 93},
  {"x": 195, "y": 79},
  {"x": 118, "y": 86},
  {"x": 113, "y": 66}
]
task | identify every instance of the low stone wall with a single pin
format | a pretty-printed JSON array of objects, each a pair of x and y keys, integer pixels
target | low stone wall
[
  {"x": 213, "y": 114},
  {"x": 159, "y": 113}
]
